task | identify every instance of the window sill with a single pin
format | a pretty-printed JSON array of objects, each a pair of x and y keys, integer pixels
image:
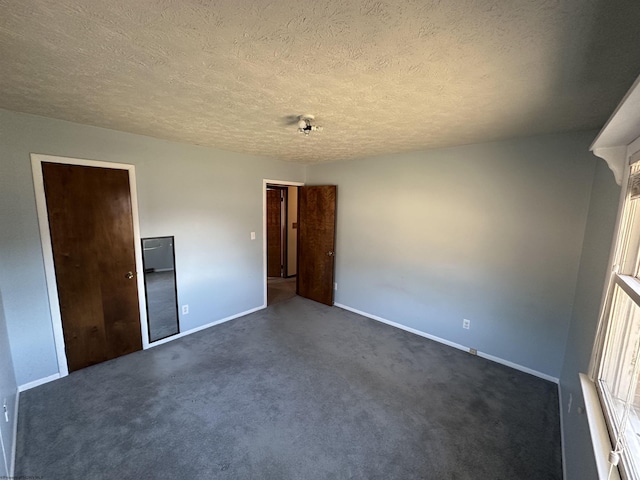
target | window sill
[{"x": 598, "y": 429}]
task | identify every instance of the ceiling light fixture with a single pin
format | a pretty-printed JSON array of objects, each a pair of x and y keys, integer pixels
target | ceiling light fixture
[{"x": 306, "y": 125}]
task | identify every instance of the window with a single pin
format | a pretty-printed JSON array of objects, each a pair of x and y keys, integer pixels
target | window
[{"x": 617, "y": 351}]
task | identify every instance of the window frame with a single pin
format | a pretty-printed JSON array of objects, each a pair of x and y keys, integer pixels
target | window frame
[
  {"x": 624, "y": 273},
  {"x": 630, "y": 286}
]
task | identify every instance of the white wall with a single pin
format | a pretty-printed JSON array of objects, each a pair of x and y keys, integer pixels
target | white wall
[
  {"x": 492, "y": 233},
  {"x": 8, "y": 394},
  {"x": 578, "y": 450},
  {"x": 209, "y": 199}
]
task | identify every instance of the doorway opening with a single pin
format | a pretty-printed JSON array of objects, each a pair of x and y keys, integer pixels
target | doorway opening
[
  {"x": 311, "y": 225},
  {"x": 281, "y": 224}
]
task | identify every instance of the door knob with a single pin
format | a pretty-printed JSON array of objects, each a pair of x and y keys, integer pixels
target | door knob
[
  {"x": 129, "y": 275},
  {"x": 330, "y": 254}
]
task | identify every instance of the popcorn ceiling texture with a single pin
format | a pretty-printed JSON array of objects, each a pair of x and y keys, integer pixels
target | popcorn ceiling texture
[{"x": 380, "y": 77}]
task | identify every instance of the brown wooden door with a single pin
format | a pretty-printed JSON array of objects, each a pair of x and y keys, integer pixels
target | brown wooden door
[
  {"x": 316, "y": 242},
  {"x": 91, "y": 226},
  {"x": 274, "y": 233}
]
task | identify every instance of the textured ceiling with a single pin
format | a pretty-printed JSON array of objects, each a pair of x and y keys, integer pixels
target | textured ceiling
[{"x": 380, "y": 77}]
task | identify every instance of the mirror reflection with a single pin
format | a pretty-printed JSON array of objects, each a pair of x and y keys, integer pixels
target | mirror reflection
[{"x": 160, "y": 287}]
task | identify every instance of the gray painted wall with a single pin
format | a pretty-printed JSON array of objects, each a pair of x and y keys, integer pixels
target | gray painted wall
[
  {"x": 578, "y": 451},
  {"x": 8, "y": 393},
  {"x": 209, "y": 199},
  {"x": 491, "y": 233}
]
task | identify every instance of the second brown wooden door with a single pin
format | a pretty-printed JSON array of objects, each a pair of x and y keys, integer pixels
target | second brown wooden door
[
  {"x": 316, "y": 242},
  {"x": 91, "y": 225},
  {"x": 274, "y": 233}
]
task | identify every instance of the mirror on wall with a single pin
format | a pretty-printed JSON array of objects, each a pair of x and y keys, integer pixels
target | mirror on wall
[{"x": 160, "y": 286}]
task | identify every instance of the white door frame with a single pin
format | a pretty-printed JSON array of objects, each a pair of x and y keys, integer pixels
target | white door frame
[
  {"x": 266, "y": 182},
  {"x": 47, "y": 250}
]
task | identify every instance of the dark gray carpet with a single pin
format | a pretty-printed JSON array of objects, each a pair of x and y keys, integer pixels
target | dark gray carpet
[
  {"x": 296, "y": 391},
  {"x": 280, "y": 289}
]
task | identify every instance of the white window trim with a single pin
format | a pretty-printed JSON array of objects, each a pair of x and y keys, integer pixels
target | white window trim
[
  {"x": 618, "y": 143},
  {"x": 598, "y": 429},
  {"x": 600, "y": 435}
]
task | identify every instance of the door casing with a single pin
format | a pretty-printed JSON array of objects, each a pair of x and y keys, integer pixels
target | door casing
[
  {"x": 47, "y": 251},
  {"x": 265, "y": 182}
]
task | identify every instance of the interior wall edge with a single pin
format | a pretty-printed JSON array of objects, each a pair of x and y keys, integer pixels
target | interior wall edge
[
  {"x": 577, "y": 449},
  {"x": 562, "y": 438},
  {"x": 12, "y": 466}
]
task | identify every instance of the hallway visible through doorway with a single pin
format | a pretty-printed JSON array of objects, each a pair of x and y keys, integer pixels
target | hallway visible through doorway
[
  {"x": 299, "y": 238},
  {"x": 281, "y": 217},
  {"x": 280, "y": 289}
]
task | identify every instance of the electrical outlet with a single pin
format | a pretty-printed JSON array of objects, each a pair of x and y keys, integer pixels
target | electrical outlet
[
  {"x": 473, "y": 351},
  {"x": 185, "y": 309},
  {"x": 335, "y": 285},
  {"x": 253, "y": 235},
  {"x": 6, "y": 411},
  {"x": 466, "y": 324}
]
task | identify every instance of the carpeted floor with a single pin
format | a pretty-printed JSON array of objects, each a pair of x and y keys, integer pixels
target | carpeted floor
[
  {"x": 280, "y": 289},
  {"x": 296, "y": 391}
]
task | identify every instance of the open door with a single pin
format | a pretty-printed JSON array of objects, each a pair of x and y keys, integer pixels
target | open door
[{"x": 316, "y": 242}]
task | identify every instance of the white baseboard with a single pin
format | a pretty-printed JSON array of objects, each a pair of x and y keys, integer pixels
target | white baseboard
[
  {"x": 403, "y": 327},
  {"x": 451, "y": 344},
  {"x": 12, "y": 467},
  {"x": 564, "y": 466},
  {"x": 522, "y": 368},
  {"x": 204, "y": 327},
  {"x": 40, "y": 381}
]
